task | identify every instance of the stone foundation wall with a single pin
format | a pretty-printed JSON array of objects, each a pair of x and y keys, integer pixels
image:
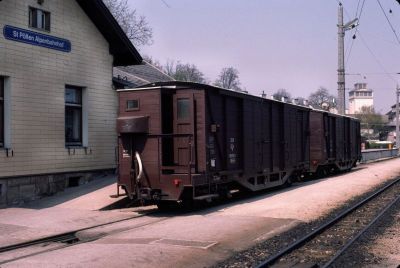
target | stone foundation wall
[{"x": 19, "y": 190}]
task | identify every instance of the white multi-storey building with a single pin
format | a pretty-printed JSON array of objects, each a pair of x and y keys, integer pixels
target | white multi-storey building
[
  {"x": 58, "y": 108},
  {"x": 360, "y": 96}
]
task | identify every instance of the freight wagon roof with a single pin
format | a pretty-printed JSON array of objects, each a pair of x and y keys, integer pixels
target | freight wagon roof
[
  {"x": 199, "y": 86},
  {"x": 323, "y": 111},
  {"x": 174, "y": 85}
]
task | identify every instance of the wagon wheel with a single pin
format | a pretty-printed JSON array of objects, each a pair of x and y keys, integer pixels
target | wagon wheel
[
  {"x": 288, "y": 182},
  {"x": 321, "y": 172}
]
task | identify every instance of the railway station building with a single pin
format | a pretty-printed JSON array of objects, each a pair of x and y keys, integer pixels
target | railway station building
[{"x": 58, "y": 105}]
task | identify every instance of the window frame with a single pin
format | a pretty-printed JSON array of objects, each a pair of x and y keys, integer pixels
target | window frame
[
  {"x": 135, "y": 108},
  {"x": 74, "y": 106},
  {"x": 2, "y": 112},
  {"x": 46, "y": 19},
  {"x": 183, "y": 112}
]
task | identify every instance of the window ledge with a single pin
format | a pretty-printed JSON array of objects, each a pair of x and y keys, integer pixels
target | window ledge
[
  {"x": 75, "y": 147},
  {"x": 39, "y": 29},
  {"x": 9, "y": 151},
  {"x": 71, "y": 149}
]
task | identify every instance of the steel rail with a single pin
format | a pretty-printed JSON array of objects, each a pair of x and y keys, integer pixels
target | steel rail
[
  {"x": 365, "y": 229},
  {"x": 295, "y": 245},
  {"x": 65, "y": 236},
  {"x": 68, "y": 239}
]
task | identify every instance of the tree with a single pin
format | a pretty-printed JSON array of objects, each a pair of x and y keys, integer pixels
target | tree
[
  {"x": 169, "y": 68},
  {"x": 321, "y": 99},
  {"x": 300, "y": 101},
  {"x": 370, "y": 119},
  {"x": 184, "y": 72},
  {"x": 135, "y": 26},
  {"x": 228, "y": 78},
  {"x": 282, "y": 93},
  {"x": 153, "y": 62}
]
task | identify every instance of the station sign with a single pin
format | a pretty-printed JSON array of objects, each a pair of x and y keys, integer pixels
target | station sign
[{"x": 36, "y": 39}]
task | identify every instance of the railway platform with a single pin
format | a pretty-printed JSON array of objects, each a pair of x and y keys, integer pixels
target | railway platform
[
  {"x": 195, "y": 239},
  {"x": 75, "y": 208}
]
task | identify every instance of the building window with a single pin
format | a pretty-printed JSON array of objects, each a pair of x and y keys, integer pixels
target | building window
[
  {"x": 39, "y": 19},
  {"x": 73, "y": 116},
  {"x": 132, "y": 105},
  {"x": 1, "y": 111},
  {"x": 183, "y": 109}
]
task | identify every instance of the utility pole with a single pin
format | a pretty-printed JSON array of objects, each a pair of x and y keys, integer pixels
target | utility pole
[
  {"x": 397, "y": 119},
  {"x": 341, "y": 79},
  {"x": 341, "y": 71}
]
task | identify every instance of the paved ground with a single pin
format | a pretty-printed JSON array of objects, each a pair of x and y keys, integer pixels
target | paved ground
[
  {"x": 198, "y": 239},
  {"x": 72, "y": 209}
]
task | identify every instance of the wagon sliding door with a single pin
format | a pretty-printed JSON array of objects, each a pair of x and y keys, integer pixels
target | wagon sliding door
[
  {"x": 184, "y": 121},
  {"x": 279, "y": 138}
]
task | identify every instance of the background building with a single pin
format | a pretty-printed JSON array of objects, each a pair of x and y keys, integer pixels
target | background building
[
  {"x": 360, "y": 96},
  {"x": 391, "y": 125},
  {"x": 58, "y": 107}
]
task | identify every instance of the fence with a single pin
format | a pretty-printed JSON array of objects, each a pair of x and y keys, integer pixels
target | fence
[{"x": 375, "y": 154}]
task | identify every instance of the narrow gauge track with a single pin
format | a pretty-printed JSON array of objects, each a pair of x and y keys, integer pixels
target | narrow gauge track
[
  {"x": 69, "y": 238},
  {"x": 324, "y": 245}
]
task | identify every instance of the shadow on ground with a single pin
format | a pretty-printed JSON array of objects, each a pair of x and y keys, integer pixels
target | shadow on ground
[{"x": 71, "y": 193}]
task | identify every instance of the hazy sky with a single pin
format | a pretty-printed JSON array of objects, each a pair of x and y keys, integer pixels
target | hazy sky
[{"x": 274, "y": 44}]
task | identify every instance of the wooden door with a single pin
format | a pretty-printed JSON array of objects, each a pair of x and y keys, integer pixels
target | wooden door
[{"x": 184, "y": 122}]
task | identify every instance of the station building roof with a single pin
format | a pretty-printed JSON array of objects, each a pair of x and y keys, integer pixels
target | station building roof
[
  {"x": 138, "y": 75},
  {"x": 121, "y": 47}
]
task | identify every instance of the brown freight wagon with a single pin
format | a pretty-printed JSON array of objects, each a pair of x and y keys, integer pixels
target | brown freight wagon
[
  {"x": 181, "y": 141},
  {"x": 335, "y": 142}
]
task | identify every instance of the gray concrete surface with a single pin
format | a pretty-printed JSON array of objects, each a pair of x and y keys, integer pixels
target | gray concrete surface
[
  {"x": 204, "y": 237},
  {"x": 75, "y": 208}
]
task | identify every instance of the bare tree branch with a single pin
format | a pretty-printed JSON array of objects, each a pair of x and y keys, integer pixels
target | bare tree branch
[
  {"x": 282, "y": 93},
  {"x": 229, "y": 78},
  {"x": 136, "y": 27},
  {"x": 321, "y": 99},
  {"x": 153, "y": 62},
  {"x": 184, "y": 72}
]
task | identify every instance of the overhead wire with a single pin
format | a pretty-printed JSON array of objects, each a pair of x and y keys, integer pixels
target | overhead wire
[
  {"x": 166, "y": 4},
  {"x": 390, "y": 23},
  {"x": 370, "y": 50},
  {"x": 355, "y": 32},
  {"x": 355, "y": 16},
  {"x": 372, "y": 73},
  {"x": 376, "y": 59},
  {"x": 358, "y": 5},
  {"x": 350, "y": 41}
]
